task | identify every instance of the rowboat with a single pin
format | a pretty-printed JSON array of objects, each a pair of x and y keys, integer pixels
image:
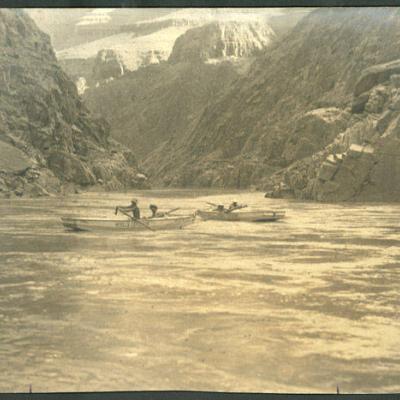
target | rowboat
[
  {"x": 245, "y": 216},
  {"x": 144, "y": 224}
]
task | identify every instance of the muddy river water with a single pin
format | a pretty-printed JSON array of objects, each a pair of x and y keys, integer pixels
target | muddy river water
[{"x": 301, "y": 305}]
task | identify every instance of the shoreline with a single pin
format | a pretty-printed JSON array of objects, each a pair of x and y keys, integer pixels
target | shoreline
[{"x": 161, "y": 192}]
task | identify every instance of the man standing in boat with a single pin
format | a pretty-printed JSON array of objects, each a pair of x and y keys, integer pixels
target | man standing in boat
[{"x": 133, "y": 207}]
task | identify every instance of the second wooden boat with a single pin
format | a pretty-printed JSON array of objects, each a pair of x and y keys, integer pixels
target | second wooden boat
[{"x": 245, "y": 216}]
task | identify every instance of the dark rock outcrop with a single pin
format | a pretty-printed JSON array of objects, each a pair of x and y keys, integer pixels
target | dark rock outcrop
[
  {"x": 363, "y": 162},
  {"x": 43, "y": 119}
]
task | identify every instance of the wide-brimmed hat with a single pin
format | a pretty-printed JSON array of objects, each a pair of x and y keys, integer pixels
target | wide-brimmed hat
[
  {"x": 134, "y": 201},
  {"x": 152, "y": 206}
]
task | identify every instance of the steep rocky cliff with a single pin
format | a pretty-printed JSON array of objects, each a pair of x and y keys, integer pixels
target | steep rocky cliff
[
  {"x": 220, "y": 40},
  {"x": 48, "y": 140},
  {"x": 139, "y": 44},
  {"x": 147, "y": 107},
  {"x": 363, "y": 161},
  {"x": 295, "y": 100}
]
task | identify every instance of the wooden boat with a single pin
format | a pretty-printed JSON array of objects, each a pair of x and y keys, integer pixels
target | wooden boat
[
  {"x": 245, "y": 216},
  {"x": 144, "y": 224}
]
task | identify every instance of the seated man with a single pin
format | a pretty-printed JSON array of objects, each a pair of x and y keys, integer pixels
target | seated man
[
  {"x": 235, "y": 206},
  {"x": 154, "y": 213},
  {"x": 220, "y": 208},
  {"x": 133, "y": 207}
]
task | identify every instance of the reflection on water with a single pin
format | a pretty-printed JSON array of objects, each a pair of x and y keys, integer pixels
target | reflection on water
[{"x": 296, "y": 306}]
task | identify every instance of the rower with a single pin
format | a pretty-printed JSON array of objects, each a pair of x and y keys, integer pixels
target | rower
[
  {"x": 133, "y": 207},
  {"x": 220, "y": 208},
  {"x": 154, "y": 213}
]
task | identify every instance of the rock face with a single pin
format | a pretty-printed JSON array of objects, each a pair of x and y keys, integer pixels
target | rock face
[
  {"x": 362, "y": 163},
  {"x": 146, "y": 107},
  {"x": 313, "y": 117},
  {"x": 313, "y": 131},
  {"x": 334, "y": 75},
  {"x": 216, "y": 41},
  {"x": 44, "y": 127},
  {"x": 211, "y": 35}
]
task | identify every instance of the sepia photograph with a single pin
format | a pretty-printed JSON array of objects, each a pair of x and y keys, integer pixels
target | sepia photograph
[{"x": 200, "y": 199}]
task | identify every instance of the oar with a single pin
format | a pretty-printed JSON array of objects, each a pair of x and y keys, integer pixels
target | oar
[
  {"x": 212, "y": 204},
  {"x": 171, "y": 211},
  {"x": 136, "y": 220}
]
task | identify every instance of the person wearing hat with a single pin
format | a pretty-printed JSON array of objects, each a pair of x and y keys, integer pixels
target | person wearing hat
[{"x": 133, "y": 207}]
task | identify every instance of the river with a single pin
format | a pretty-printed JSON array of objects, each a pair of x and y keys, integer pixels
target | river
[{"x": 301, "y": 305}]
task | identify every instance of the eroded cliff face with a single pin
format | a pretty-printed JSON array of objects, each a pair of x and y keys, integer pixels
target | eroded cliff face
[
  {"x": 149, "y": 106},
  {"x": 146, "y": 107},
  {"x": 293, "y": 103},
  {"x": 217, "y": 41},
  {"x": 140, "y": 44},
  {"x": 44, "y": 127},
  {"x": 362, "y": 163}
]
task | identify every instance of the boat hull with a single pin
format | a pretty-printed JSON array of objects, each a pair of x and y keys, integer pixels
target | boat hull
[
  {"x": 156, "y": 224},
  {"x": 248, "y": 216}
]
